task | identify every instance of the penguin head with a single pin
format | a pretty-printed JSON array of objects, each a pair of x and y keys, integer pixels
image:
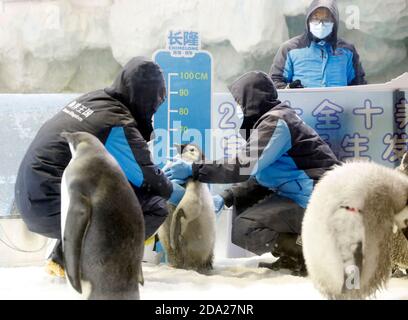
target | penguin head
[
  {"x": 190, "y": 152},
  {"x": 76, "y": 139}
]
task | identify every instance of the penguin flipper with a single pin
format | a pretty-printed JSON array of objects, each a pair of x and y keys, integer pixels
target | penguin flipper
[
  {"x": 175, "y": 228},
  {"x": 78, "y": 220},
  {"x": 140, "y": 277}
]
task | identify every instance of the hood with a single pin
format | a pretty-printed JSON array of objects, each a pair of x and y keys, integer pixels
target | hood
[
  {"x": 140, "y": 86},
  {"x": 331, "y": 5},
  {"x": 256, "y": 94}
]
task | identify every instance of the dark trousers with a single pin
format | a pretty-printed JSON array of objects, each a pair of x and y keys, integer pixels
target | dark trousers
[
  {"x": 258, "y": 220},
  {"x": 154, "y": 210}
]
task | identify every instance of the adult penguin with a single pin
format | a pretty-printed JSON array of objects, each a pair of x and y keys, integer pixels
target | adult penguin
[{"x": 101, "y": 222}]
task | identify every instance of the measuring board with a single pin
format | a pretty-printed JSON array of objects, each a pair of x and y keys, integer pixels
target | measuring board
[{"x": 185, "y": 115}]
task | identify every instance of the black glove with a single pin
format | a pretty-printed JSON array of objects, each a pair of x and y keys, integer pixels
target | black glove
[
  {"x": 297, "y": 84},
  {"x": 245, "y": 194}
]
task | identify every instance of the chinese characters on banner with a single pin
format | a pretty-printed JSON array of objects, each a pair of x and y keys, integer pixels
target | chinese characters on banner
[{"x": 183, "y": 43}]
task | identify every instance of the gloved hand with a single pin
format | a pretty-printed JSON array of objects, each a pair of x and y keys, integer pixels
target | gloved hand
[
  {"x": 177, "y": 195},
  {"x": 218, "y": 204},
  {"x": 180, "y": 182},
  {"x": 297, "y": 84},
  {"x": 180, "y": 170}
]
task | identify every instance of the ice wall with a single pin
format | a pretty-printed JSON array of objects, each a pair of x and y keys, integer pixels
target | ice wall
[{"x": 79, "y": 45}]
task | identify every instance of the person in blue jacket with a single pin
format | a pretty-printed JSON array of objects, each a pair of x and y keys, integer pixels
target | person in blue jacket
[
  {"x": 318, "y": 58},
  {"x": 276, "y": 171},
  {"x": 120, "y": 116}
]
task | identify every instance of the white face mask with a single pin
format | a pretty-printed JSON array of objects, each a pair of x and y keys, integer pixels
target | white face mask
[{"x": 321, "y": 30}]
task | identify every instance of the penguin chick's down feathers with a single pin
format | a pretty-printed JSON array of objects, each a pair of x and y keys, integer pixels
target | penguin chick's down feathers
[
  {"x": 188, "y": 234},
  {"x": 347, "y": 230}
]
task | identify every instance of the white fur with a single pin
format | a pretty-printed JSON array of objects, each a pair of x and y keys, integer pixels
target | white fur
[
  {"x": 86, "y": 287},
  {"x": 330, "y": 233},
  {"x": 65, "y": 200}
]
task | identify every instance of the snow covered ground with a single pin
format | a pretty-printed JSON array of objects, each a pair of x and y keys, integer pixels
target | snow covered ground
[{"x": 231, "y": 279}]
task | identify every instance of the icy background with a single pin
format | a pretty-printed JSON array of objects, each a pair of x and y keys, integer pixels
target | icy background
[
  {"x": 231, "y": 279},
  {"x": 79, "y": 45}
]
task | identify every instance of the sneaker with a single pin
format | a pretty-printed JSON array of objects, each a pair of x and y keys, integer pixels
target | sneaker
[
  {"x": 55, "y": 262},
  {"x": 54, "y": 269},
  {"x": 151, "y": 253}
]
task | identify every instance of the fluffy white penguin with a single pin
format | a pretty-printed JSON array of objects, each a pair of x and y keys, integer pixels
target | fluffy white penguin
[
  {"x": 349, "y": 226},
  {"x": 188, "y": 234},
  {"x": 101, "y": 222}
]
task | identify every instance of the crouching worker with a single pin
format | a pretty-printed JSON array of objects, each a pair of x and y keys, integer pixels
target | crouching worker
[
  {"x": 277, "y": 170},
  {"x": 120, "y": 116}
]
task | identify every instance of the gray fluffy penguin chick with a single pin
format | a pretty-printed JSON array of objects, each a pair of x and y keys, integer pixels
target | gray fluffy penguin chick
[
  {"x": 188, "y": 233},
  {"x": 348, "y": 228}
]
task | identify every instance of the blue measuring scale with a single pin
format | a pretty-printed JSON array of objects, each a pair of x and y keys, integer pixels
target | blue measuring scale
[{"x": 186, "y": 112}]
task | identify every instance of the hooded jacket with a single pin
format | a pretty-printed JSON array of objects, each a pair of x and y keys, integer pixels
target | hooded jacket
[
  {"x": 120, "y": 116},
  {"x": 282, "y": 153},
  {"x": 316, "y": 63}
]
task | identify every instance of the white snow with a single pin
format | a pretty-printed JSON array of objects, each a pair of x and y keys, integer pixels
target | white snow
[{"x": 231, "y": 279}]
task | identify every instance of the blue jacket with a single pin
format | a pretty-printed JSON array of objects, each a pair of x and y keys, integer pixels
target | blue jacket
[
  {"x": 120, "y": 117},
  {"x": 329, "y": 63},
  {"x": 283, "y": 153}
]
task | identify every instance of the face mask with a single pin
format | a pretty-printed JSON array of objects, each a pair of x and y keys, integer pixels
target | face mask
[{"x": 321, "y": 30}]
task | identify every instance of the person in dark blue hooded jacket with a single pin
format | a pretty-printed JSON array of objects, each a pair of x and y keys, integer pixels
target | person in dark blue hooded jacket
[
  {"x": 276, "y": 171},
  {"x": 318, "y": 58},
  {"x": 120, "y": 116}
]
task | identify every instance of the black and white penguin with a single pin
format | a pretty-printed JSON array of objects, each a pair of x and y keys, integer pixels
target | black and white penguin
[{"x": 101, "y": 222}]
